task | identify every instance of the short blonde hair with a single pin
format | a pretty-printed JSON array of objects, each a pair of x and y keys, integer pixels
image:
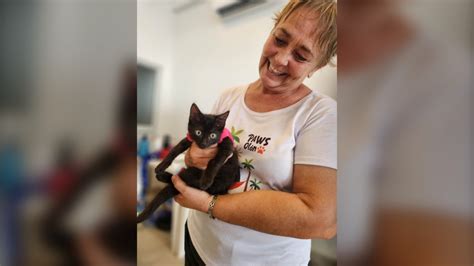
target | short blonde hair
[{"x": 326, "y": 38}]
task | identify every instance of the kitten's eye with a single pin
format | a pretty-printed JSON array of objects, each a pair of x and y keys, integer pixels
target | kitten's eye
[
  {"x": 198, "y": 132},
  {"x": 213, "y": 135}
]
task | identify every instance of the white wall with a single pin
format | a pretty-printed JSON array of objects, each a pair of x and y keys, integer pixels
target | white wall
[
  {"x": 155, "y": 38},
  {"x": 207, "y": 54},
  {"x": 325, "y": 80}
]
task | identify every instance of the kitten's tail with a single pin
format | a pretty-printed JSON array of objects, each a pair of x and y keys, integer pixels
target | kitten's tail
[{"x": 165, "y": 194}]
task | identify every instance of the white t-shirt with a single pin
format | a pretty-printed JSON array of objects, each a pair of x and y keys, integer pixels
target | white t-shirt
[{"x": 269, "y": 144}]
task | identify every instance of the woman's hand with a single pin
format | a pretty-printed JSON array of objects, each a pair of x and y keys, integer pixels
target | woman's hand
[
  {"x": 197, "y": 157},
  {"x": 191, "y": 197}
]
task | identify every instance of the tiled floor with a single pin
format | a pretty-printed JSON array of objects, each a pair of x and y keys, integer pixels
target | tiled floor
[{"x": 154, "y": 247}]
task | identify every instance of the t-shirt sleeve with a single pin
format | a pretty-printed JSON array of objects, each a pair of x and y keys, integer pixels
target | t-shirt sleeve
[
  {"x": 217, "y": 105},
  {"x": 316, "y": 142},
  {"x": 226, "y": 99}
]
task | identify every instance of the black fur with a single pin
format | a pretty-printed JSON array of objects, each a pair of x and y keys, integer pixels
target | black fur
[{"x": 219, "y": 174}]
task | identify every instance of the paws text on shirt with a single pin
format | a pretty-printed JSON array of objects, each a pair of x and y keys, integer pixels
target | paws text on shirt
[{"x": 256, "y": 143}]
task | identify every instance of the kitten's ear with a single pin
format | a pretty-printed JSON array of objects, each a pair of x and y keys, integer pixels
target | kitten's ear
[
  {"x": 220, "y": 119},
  {"x": 194, "y": 113}
]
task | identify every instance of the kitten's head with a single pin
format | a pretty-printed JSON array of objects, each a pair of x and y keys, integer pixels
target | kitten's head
[{"x": 204, "y": 129}]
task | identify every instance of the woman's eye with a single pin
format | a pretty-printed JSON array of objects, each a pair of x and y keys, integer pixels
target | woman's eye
[
  {"x": 300, "y": 58},
  {"x": 198, "y": 132},
  {"x": 279, "y": 41},
  {"x": 213, "y": 135}
]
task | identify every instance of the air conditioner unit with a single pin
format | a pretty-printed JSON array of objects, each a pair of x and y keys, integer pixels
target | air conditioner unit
[{"x": 228, "y": 8}]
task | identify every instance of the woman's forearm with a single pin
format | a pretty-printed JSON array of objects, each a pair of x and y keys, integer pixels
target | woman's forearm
[
  {"x": 276, "y": 212},
  {"x": 308, "y": 212}
]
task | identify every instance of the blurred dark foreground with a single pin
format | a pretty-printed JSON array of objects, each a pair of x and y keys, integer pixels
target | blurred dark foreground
[
  {"x": 405, "y": 180},
  {"x": 67, "y": 132}
]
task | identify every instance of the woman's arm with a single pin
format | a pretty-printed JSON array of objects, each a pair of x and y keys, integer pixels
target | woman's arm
[{"x": 308, "y": 212}]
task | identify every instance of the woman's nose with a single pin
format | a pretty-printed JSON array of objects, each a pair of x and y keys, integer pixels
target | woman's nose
[{"x": 282, "y": 57}]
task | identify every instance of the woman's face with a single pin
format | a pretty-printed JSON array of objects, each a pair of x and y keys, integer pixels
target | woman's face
[{"x": 290, "y": 53}]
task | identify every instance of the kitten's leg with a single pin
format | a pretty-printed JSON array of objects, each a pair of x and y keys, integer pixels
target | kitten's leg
[
  {"x": 183, "y": 145},
  {"x": 225, "y": 149},
  {"x": 164, "y": 177},
  {"x": 191, "y": 176}
]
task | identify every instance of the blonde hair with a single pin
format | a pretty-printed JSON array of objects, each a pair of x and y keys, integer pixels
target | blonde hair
[{"x": 326, "y": 38}]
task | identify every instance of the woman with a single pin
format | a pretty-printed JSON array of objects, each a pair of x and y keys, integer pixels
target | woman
[{"x": 286, "y": 135}]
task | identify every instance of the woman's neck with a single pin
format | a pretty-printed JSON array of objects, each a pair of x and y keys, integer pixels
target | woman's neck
[{"x": 261, "y": 99}]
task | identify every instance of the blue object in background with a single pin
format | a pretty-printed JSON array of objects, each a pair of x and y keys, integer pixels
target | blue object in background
[
  {"x": 143, "y": 147},
  {"x": 11, "y": 180},
  {"x": 144, "y": 154}
]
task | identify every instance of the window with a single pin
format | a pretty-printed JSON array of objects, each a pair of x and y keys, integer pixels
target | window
[{"x": 146, "y": 78}]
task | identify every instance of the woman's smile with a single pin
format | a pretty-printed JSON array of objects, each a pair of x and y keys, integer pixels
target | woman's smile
[
  {"x": 273, "y": 76},
  {"x": 273, "y": 70}
]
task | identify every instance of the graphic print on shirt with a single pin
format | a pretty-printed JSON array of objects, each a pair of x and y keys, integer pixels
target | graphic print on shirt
[
  {"x": 255, "y": 184},
  {"x": 256, "y": 143},
  {"x": 235, "y": 134},
  {"x": 247, "y": 164},
  {"x": 249, "y": 180}
]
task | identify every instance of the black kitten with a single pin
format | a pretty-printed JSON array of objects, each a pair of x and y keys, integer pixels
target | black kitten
[{"x": 219, "y": 175}]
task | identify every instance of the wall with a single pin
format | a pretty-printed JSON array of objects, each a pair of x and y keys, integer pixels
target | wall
[{"x": 155, "y": 39}]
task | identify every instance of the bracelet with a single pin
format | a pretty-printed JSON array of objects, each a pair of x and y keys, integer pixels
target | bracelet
[{"x": 211, "y": 207}]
